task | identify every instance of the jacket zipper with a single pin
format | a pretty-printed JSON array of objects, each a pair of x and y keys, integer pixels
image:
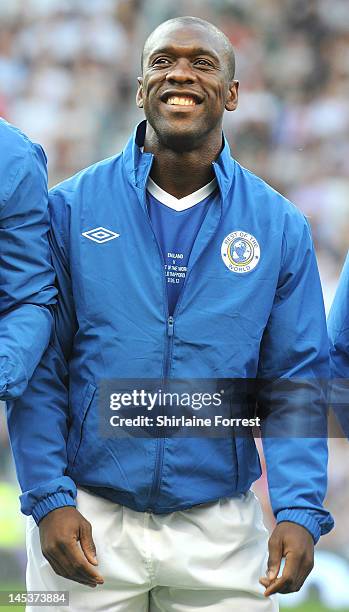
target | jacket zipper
[
  {"x": 170, "y": 320},
  {"x": 170, "y": 329},
  {"x": 168, "y": 353},
  {"x": 166, "y": 366},
  {"x": 161, "y": 441}
]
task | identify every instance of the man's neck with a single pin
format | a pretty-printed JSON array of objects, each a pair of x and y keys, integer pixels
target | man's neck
[{"x": 180, "y": 174}]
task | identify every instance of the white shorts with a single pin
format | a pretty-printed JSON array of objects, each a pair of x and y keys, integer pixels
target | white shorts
[{"x": 208, "y": 558}]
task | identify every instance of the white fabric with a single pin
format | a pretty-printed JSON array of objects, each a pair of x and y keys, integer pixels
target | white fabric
[
  {"x": 208, "y": 558},
  {"x": 180, "y": 204}
]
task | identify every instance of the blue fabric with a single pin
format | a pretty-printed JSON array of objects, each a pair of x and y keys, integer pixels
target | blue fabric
[
  {"x": 338, "y": 329},
  {"x": 26, "y": 276},
  {"x": 176, "y": 232},
  {"x": 111, "y": 322}
]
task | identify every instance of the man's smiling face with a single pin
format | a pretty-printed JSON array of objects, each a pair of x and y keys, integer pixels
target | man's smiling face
[{"x": 186, "y": 85}]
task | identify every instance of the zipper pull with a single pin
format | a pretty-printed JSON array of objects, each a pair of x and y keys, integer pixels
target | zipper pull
[{"x": 170, "y": 322}]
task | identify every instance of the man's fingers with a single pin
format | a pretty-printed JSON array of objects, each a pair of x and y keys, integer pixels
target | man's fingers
[
  {"x": 61, "y": 570},
  {"x": 87, "y": 544},
  {"x": 265, "y": 581},
  {"x": 68, "y": 560},
  {"x": 275, "y": 557},
  {"x": 79, "y": 566},
  {"x": 285, "y": 582},
  {"x": 56, "y": 566},
  {"x": 297, "y": 568},
  {"x": 280, "y": 585}
]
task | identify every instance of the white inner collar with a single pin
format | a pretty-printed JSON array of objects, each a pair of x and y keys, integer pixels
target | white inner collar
[{"x": 181, "y": 203}]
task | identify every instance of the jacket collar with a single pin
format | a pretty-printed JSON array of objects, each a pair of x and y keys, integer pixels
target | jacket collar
[{"x": 138, "y": 164}]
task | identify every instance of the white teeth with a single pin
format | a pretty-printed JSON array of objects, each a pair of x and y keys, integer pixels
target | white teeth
[{"x": 175, "y": 100}]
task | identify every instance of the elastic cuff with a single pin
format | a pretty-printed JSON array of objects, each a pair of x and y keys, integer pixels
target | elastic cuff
[
  {"x": 303, "y": 518},
  {"x": 13, "y": 381},
  {"x": 3, "y": 388},
  {"x": 52, "y": 502},
  {"x": 3, "y": 378}
]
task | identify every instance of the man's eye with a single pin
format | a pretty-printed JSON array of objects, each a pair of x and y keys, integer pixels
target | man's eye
[
  {"x": 160, "y": 60},
  {"x": 203, "y": 63}
]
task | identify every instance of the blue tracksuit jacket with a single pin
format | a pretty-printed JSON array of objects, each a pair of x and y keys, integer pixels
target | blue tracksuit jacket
[
  {"x": 338, "y": 329},
  {"x": 26, "y": 275},
  {"x": 112, "y": 322}
]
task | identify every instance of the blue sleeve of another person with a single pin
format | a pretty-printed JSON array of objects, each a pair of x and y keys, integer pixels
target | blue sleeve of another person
[
  {"x": 338, "y": 330},
  {"x": 27, "y": 291}
]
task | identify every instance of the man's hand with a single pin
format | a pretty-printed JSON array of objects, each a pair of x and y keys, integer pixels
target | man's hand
[
  {"x": 67, "y": 544},
  {"x": 295, "y": 543}
]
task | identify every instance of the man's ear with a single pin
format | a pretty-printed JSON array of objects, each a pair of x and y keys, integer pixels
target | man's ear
[
  {"x": 233, "y": 96},
  {"x": 139, "y": 95}
]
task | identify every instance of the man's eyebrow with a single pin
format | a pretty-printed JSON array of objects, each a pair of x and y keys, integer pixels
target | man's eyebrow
[{"x": 172, "y": 50}]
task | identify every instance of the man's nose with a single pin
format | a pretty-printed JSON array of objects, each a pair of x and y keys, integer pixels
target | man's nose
[{"x": 181, "y": 72}]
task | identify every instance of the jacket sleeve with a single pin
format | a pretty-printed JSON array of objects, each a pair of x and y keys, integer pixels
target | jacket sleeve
[
  {"x": 27, "y": 291},
  {"x": 338, "y": 331},
  {"x": 294, "y": 365},
  {"x": 38, "y": 422}
]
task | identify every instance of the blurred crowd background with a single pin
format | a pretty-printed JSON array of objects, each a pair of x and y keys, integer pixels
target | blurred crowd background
[{"x": 68, "y": 71}]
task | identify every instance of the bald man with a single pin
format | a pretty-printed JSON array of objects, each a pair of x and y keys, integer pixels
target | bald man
[{"x": 173, "y": 262}]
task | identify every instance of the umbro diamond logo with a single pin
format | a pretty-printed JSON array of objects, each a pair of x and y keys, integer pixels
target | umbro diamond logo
[{"x": 100, "y": 235}]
